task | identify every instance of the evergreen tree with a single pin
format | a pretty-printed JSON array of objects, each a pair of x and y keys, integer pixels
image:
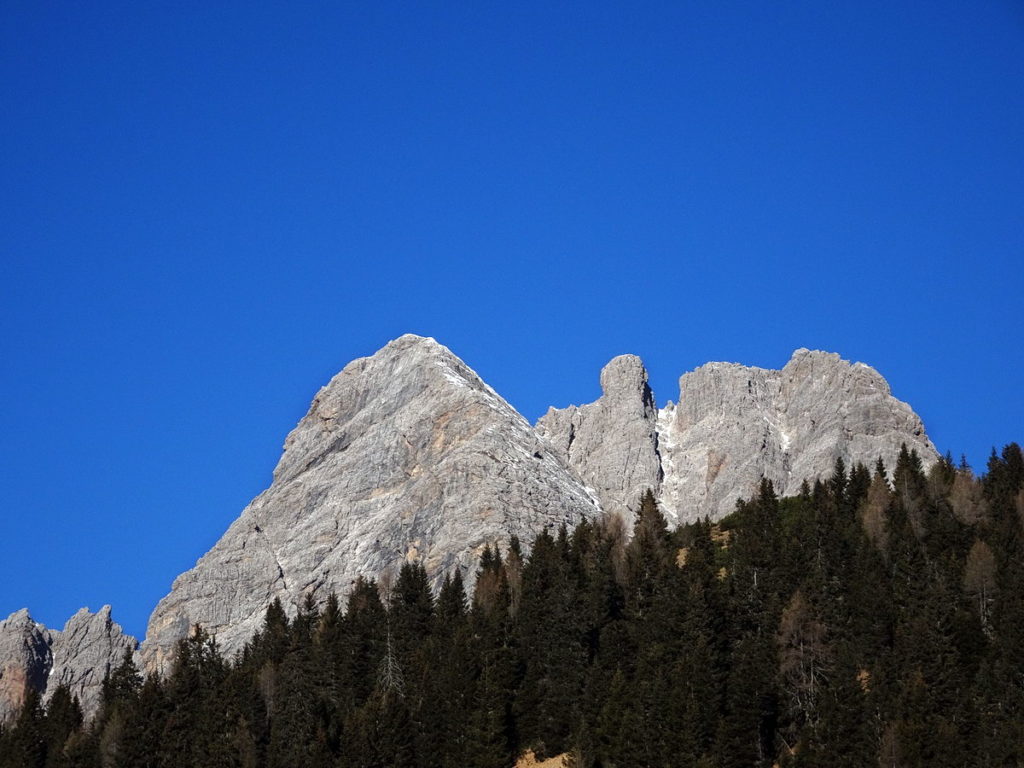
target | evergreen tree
[
  {"x": 620, "y": 732},
  {"x": 26, "y": 742},
  {"x": 298, "y": 732},
  {"x": 552, "y": 650},
  {"x": 63, "y": 718},
  {"x": 649, "y": 555},
  {"x": 489, "y": 732},
  {"x": 362, "y": 644},
  {"x": 118, "y": 707}
]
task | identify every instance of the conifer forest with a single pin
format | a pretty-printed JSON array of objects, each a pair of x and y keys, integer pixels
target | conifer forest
[{"x": 875, "y": 619}]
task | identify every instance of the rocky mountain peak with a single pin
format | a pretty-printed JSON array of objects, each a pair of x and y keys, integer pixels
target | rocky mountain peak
[
  {"x": 624, "y": 379},
  {"x": 732, "y": 425},
  {"x": 611, "y": 443},
  {"x": 80, "y": 656},
  {"x": 25, "y": 659},
  {"x": 90, "y": 646},
  {"x": 735, "y": 424},
  {"x": 407, "y": 455},
  {"x": 403, "y": 455},
  {"x": 407, "y": 369}
]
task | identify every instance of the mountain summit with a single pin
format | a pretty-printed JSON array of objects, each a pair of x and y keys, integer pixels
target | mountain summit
[{"x": 406, "y": 454}]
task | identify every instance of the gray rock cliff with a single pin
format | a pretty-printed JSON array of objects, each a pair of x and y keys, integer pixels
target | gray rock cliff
[
  {"x": 25, "y": 659},
  {"x": 80, "y": 656},
  {"x": 404, "y": 455},
  {"x": 611, "y": 443},
  {"x": 734, "y": 424},
  {"x": 90, "y": 646},
  {"x": 409, "y": 455}
]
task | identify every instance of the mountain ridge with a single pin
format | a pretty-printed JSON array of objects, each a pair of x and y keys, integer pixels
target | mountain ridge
[{"x": 407, "y": 454}]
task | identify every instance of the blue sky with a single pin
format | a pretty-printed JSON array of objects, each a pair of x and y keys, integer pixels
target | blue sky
[{"x": 210, "y": 208}]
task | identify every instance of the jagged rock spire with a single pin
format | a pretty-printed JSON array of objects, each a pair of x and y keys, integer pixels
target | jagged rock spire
[
  {"x": 612, "y": 443},
  {"x": 80, "y": 656}
]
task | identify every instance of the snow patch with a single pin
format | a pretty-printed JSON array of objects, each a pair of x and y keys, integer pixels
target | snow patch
[{"x": 666, "y": 450}]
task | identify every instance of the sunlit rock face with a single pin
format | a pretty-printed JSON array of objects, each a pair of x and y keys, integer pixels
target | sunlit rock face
[
  {"x": 404, "y": 455},
  {"x": 408, "y": 455},
  {"x": 80, "y": 656},
  {"x": 90, "y": 646},
  {"x": 612, "y": 443},
  {"x": 25, "y": 659},
  {"x": 735, "y": 424},
  {"x": 732, "y": 425}
]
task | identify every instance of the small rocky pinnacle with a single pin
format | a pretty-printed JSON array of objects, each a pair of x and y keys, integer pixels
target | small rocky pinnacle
[{"x": 611, "y": 443}]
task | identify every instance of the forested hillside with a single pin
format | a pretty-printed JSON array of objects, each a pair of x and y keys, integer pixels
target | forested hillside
[{"x": 874, "y": 619}]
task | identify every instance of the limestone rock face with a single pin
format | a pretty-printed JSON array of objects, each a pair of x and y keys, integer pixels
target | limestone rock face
[
  {"x": 90, "y": 646},
  {"x": 734, "y": 424},
  {"x": 406, "y": 454},
  {"x": 42, "y": 659},
  {"x": 25, "y": 659},
  {"x": 612, "y": 443}
]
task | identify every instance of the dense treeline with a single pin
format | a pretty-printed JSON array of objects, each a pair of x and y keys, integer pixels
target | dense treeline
[{"x": 871, "y": 620}]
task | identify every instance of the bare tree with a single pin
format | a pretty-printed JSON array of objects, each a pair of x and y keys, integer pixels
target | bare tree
[
  {"x": 390, "y": 677},
  {"x": 874, "y": 515},
  {"x": 980, "y": 580},
  {"x": 803, "y": 658}
]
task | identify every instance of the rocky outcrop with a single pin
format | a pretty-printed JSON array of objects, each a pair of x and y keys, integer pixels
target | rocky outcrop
[
  {"x": 90, "y": 646},
  {"x": 80, "y": 656},
  {"x": 25, "y": 659},
  {"x": 405, "y": 455},
  {"x": 612, "y": 443},
  {"x": 735, "y": 424}
]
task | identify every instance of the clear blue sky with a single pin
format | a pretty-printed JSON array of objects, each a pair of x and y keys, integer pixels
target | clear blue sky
[{"x": 209, "y": 208}]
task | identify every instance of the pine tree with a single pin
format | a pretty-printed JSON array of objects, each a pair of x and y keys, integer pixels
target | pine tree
[
  {"x": 489, "y": 731},
  {"x": 552, "y": 649},
  {"x": 63, "y": 718},
  {"x": 451, "y": 607},
  {"x": 147, "y": 721},
  {"x": 118, "y": 707},
  {"x": 196, "y": 724},
  {"x": 362, "y": 643},
  {"x": 410, "y": 611},
  {"x": 619, "y": 741},
  {"x": 271, "y": 644},
  {"x": 842, "y": 737},
  {"x": 26, "y": 740},
  {"x": 327, "y": 637},
  {"x": 649, "y": 556},
  {"x": 298, "y": 732}
]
